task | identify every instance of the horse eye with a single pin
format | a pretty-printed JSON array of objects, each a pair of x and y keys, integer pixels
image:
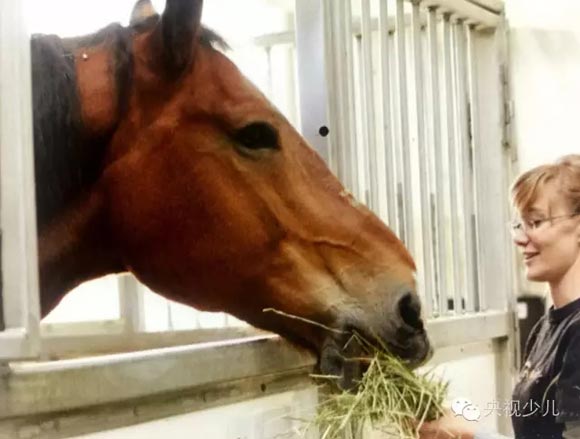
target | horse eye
[{"x": 258, "y": 135}]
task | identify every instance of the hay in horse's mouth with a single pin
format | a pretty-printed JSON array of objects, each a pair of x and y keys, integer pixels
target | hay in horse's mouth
[
  {"x": 390, "y": 397},
  {"x": 342, "y": 347},
  {"x": 370, "y": 386}
]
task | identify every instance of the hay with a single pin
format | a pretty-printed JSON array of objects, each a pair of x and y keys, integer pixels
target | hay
[{"x": 390, "y": 398}]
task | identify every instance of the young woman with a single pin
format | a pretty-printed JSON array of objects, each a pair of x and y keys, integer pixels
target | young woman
[{"x": 546, "y": 399}]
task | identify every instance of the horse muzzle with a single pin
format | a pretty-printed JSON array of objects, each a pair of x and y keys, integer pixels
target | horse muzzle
[
  {"x": 344, "y": 356},
  {"x": 400, "y": 331}
]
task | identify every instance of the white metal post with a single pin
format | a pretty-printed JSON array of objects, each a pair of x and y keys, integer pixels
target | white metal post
[
  {"x": 477, "y": 159},
  {"x": 395, "y": 103},
  {"x": 131, "y": 304},
  {"x": 368, "y": 94},
  {"x": 405, "y": 147},
  {"x": 311, "y": 74},
  {"x": 464, "y": 162},
  {"x": 452, "y": 160},
  {"x": 18, "y": 212},
  {"x": 424, "y": 171},
  {"x": 336, "y": 69},
  {"x": 359, "y": 111},
  {"x": 344, "y": 87},
  {"x": 269, "y": 85},
  {"x": 331, "y": 84},
  {"x": 349, "y": 122},
  {"x": 442, "y": 253},
  {"x": 390, "y": 157}
]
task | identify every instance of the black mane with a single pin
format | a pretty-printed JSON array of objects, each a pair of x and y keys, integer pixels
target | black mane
[{"x": 67, "y": 163}]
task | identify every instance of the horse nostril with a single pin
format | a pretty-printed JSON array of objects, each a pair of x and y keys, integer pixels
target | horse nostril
[{"x": 410, "y": 310}]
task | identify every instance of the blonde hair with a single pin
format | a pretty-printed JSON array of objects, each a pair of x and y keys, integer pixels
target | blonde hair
[{"x": 565, "y": 171}]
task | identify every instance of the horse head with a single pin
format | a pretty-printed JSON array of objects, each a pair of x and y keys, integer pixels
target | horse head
[{"x": 208, "y": 195}]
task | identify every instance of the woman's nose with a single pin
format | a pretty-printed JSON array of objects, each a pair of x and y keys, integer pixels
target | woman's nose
[{"x": 521, "y": 239}]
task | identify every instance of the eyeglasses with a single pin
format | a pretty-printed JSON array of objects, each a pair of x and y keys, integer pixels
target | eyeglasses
[{"x": 520, "y": 227}]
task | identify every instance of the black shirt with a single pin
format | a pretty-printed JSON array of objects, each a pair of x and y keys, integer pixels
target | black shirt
[{"x": 548, "y": 390}]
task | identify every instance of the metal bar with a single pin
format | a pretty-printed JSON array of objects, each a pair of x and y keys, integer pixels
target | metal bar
[
  {"x": 350, "y": 120},
  {"x": 477, "y": 158},
  {"x": 198, "y": 324},
  {"x": 494, "y": 7},
  {"x": 464, "y": 161},
  {"x": 81, "y": 329},
  {"x": 390, "y": 157},
  {"x": 293, "y": 98},
  {"x": 407, "y": 187},
  {"x": 368, "y": 99},
  {"x": 473, "y": 10},
  {"x": 457, "y": 170},
  {"x": 361, "y": 134},
  {"x": 17, "y": 194},
  {"x": 424, "y": 171},
  {"x": 452, "y": 178},
  {"x": 442, "y": 237},
  {"x": 340, "y": 66},
  {"x": 332, "y": 85},
  {"x": 131, "y": 304},
  {"x": 72, "y": 344},
  {"x": 310, "y": 41},
  {"x": 169, "y": 313},
  {"x": 269, "y": 88},
  {"x": 395, "y": 102},
  {"x": 38, "y": 387},
  {"x": 459, "y": 330}
]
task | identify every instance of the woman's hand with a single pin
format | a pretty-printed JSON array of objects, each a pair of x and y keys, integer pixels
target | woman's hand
[{"x": 448, "y": 426}]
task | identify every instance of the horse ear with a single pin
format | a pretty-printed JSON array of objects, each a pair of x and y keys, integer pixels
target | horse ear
[
  {"x": 142, "y": 10},
  {"x": 180, "y": 24}
]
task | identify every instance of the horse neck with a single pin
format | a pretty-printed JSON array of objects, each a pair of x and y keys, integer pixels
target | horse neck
[
  {"x": 74, "y": 248},
  {"x": 77, "y": 107}
]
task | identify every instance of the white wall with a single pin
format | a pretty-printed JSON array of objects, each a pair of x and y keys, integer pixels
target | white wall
[
  {"x": 272, "y": 417},
  {"x": 545, "y": 55},
  {"x": 544, "y": 44}
]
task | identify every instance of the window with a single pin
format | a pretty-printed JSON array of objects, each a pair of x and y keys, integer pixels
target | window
[{"x": 408, "y": 78}]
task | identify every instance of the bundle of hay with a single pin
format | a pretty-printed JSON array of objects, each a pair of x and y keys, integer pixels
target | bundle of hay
[{"x": 390, "y": 398}]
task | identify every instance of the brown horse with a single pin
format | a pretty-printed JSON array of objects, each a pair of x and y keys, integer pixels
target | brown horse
[{"x": 155, "y": 155}]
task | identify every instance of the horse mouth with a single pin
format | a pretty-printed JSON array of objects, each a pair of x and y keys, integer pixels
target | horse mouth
[{"x": 343, "y": 357}]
